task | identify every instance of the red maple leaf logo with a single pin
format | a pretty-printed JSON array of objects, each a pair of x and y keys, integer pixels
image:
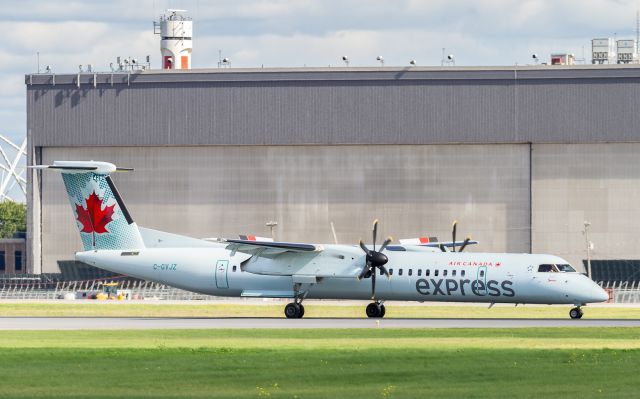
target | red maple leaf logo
[{"x": 94, "y": 219}]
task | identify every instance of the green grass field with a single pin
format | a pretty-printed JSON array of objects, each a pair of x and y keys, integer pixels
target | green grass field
[
  {"x": 312, "y": 309},
  {"x": 376, "y": 363}
]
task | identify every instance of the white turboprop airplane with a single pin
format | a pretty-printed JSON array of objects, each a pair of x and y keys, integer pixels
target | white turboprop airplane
[{"x": 263, "y": 269}]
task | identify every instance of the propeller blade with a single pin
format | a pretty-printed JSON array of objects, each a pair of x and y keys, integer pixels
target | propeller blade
[
  {"x": 453, "y": 233},
  {"x": 385, "y": 243},
  {"x": 384, "y": 271},
  {"x": 465, "y": 243},
  {"x": 373, "y": 284},
  {"x": 364, "y": 248},
  {"x": 375, "y": 233},
  {"x": 364, "y": 271}
]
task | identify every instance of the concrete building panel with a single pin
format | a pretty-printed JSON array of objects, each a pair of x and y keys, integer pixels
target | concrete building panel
[
  {"x": 226, "y": 191},
  {"x": 574, "y": 183}
]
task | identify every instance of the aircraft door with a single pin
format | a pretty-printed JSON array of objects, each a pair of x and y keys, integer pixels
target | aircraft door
[
  {"x": 221, "y": 274},
  {"x": 482, "y": 278}
]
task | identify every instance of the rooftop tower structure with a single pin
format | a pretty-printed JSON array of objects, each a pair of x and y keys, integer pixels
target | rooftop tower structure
[{"x": 175, "y": 30}]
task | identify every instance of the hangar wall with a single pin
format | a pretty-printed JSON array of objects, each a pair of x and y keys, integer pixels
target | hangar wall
[
  {"x": 414, "y": 190},
  {"x": 229, "y": 190},
  {"x": 336, "y": 106},
  {"x": 599, "y": 183},
  {"x": 520, "y": 155}
]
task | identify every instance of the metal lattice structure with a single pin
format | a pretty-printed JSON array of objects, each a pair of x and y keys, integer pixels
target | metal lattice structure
[{"x": 13, "y": 158}]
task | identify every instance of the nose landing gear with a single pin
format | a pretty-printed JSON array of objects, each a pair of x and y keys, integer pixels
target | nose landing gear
[
  {"x": 375, "y": 310},
  {"x": 576, "y": 313}
]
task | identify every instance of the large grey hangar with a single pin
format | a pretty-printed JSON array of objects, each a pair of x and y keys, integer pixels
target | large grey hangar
[{"x": 521, "y": 156}]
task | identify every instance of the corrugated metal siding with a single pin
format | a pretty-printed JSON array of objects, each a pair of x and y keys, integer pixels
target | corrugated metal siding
[
  {"x": 582, "y": 111},
  {"x": 336, "y": 106}
]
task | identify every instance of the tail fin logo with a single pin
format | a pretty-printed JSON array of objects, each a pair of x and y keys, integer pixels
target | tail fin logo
[{"x": 94, "y": 219}]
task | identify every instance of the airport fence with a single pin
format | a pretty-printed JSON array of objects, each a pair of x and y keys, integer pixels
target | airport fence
[
  {"x": 38, "y": 289},
  {"x": 622, "y": 291}
]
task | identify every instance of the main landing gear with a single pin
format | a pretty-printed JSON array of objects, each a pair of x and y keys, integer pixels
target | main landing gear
[
  {"x": 294, "y": 310},
  {"x": 375, "y": 310},
  {"x": 576, "y": 313}
]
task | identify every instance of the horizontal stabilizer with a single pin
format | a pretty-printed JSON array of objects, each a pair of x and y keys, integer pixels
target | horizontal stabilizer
[{"x": 82, "y": 167}]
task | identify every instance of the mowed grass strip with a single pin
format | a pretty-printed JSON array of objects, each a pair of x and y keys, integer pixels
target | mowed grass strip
[
  {"x": 316, "y": 364},
  {"x": 339, "y": 339},
  {"x": 312, "y": 309}
]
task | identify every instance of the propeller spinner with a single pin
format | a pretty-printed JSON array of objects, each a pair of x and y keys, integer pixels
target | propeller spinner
[{"x": 374, "y": 260}]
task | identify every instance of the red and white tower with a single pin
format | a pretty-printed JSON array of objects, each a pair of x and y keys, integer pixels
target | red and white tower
[{"x": 175, "y": 31}]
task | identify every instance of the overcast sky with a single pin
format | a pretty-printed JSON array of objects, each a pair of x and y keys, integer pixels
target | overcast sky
[{"x": 297, "y": 33}]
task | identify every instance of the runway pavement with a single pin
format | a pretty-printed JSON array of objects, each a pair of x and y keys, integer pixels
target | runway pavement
[{"x": 106, "y": 323}]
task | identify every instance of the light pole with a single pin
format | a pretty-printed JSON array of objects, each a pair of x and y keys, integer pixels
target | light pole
[
  {"x": 589, "y": 246},
  {"x": 271, "y": 224}
]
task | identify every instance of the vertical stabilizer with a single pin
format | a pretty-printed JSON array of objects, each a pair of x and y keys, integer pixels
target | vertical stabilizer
[{"x": 101, "y": 216}]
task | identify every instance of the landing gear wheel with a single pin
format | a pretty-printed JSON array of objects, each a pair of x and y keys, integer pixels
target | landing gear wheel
[
  {"x": 575, "y": 313},
  {"x": 375, "y": 310},
  {"x": 294, "y": 311}
]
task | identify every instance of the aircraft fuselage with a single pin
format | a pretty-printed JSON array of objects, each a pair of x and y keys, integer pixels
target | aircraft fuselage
[{"x": 415, "y": 276}]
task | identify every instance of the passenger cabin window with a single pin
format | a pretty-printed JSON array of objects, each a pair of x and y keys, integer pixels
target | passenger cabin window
[
  {"x": 444, "y": 273},
  {"x": 399, "y": 272},
  {"x": 436, "y": 273},
  {"x": 481, "y": 273},
  {"x": 462, "y": 272},
  {"x": 234, "y": 268},
  {"x": 453, "y": 273},
  {"x": 427, "y": 272},
  {"x": 410, "y": 272},
  {"x": 391, "y": 272},
  {"x": 419, "y": 272}
]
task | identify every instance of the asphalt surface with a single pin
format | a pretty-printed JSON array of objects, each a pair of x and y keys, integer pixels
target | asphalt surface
[{"x": 109, "y": 323}]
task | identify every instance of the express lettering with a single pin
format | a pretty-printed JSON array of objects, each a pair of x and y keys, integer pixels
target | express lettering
[{"x": 451, "y": 286}]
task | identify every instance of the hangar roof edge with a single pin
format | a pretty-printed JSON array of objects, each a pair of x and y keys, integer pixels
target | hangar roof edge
[{"x": 342, "y": 74}]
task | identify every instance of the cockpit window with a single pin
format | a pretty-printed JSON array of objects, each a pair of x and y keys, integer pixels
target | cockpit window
[
  {"x": 547, "y": 268},
  {"x": 566, "y": 268}
]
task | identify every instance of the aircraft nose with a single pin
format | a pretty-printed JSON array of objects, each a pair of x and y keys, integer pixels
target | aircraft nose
[{"x": 598, "y": 294}]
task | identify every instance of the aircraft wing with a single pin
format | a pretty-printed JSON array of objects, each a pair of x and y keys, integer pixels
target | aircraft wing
[
  {"x": 434, "y": 243},
  {"x": 255, "y": 238},
  {"x": 449, "y": 244},
  {"x": 270, "y": 249}
]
